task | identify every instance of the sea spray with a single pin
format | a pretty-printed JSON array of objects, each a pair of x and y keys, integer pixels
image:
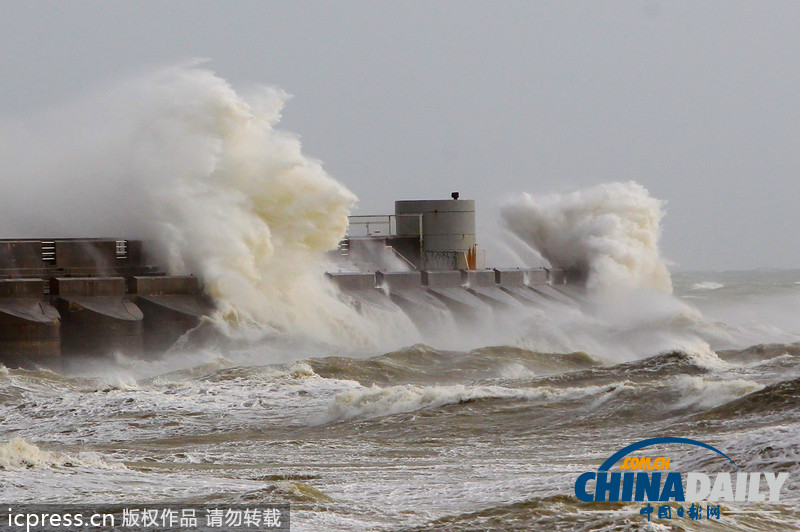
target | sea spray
[
  {"x": 609, "y": 231},
  {"x": 610, "y": 234},
  {"x": 18, "y": 453},
  {"x": 177, "y": 157}
]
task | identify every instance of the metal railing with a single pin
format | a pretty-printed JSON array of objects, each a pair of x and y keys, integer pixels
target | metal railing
[{"x": 384, "y": 225}]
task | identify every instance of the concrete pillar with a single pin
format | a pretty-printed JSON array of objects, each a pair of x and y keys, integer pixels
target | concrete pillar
[
  {"x": 442, "y": 279},
  {"x": 96, "y": 317},
  {"x": 536, "y": 277},
  {"x": 429, "y": 315},
  {"x": 29, "y": 327},
  {"x": 556, "y": 276},
  {"x": 483, "y": 285},
  {"x": 171, "y": 306},
  {"x": 360, "y": 291},
  {"x": 352, "y": 280},
  {"x": 396, "y": 281},
  {"x": 85, "y": 253},
  {"x": 448, "y": 287},
  {"x": 476, "y": 278},
  {"x": 509, "y": 277},
  {"x": 21, "y": 255}
]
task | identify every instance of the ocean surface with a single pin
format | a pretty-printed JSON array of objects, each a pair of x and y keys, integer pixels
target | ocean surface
[{"x": 490, "y": 437}]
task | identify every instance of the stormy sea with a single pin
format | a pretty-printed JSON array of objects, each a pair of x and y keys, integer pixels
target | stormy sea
[
  {"x": 365, "y": 417},
  {"x": 419, "y": 438}
]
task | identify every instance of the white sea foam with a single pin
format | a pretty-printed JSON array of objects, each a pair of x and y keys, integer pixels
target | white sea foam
[
  {"x": 707, "y": 285},
  {"x": 18, "y": 453},
  {"x": 515, "y": 370},
  {"x": 704, "y": 393},
  {"x": 177, "y": 157},
  {"x": 609, "y": 231},
  {"x": 376, "y": 401},
  {"x": 772, "y": 448},
  {"x": 704, "y": 357},
  {"x": 776, "y": 447}
]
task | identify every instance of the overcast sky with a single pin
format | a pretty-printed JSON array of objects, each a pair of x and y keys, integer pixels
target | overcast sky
[{"x": 697, "y": 101}]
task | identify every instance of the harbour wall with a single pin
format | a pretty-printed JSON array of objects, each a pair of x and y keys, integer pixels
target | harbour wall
[
  {"x": 79, "y": 297},
  {"x": 71, "y": 297},
  {"x": 469, "y": 294}
]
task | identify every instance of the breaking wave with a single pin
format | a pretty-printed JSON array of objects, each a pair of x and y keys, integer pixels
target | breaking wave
[
  {"x": 422, "y": 364},
  {"x": 707, "y": 285},
  {"x": 18, "y": 453},
  {"x": 377, "y": 401},
  {"x": 609, "y": 231},
  {"x": 177, "y": 157},
  {"x": 702, "y": 393},
  {"x": 555, "y": 512},
  {"x": 773, "y": 399}
]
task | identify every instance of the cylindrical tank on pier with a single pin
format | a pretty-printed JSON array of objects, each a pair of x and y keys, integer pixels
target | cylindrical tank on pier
[{"x": 448, "y": 231}]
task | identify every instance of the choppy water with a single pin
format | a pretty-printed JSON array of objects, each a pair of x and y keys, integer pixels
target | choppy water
[{"x": 420, "y": 438}]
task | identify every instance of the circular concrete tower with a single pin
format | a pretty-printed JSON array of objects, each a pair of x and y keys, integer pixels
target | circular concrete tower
[{"x": 448, "y": 231}]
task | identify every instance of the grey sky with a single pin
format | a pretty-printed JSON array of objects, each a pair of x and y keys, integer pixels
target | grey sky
[{"x": 698, "y": 101}]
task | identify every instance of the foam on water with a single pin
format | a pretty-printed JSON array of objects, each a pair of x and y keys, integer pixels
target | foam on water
[
  {"x": 239, "y": 433},
  {"x": 771, "y": 448},
  {"x": 18, "y": 453},
  {"x": 376, "y": 401},
  {"x": 707, "y": 285},
  {"x": 703, "y": 393},
  {"x": 776, "y": 447},
  {"x": 215, "y": 186}
]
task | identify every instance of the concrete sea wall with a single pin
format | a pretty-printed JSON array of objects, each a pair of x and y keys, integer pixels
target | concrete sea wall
[
  {"x": 469, "y": 294},
  {"x": 76, "y": 297}
]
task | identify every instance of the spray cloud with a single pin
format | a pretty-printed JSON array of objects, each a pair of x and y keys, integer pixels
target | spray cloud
[
  {"x": 177, "y": 157},
  {"x": 609, "y": 231}
]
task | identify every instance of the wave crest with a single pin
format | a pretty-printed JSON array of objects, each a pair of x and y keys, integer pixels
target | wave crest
[
  {"x": 18, "y": 453},
  {"x": 609, "y": 231}
]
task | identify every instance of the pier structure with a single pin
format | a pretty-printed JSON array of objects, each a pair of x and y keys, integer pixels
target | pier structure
[
  {"x": 65, "y": 297},
  {"x": 465, "y": 294},
  {"x": 420, "y": 235},
  {"x": 95, "y": 296},
  {"x": 425, "y": 258}
]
